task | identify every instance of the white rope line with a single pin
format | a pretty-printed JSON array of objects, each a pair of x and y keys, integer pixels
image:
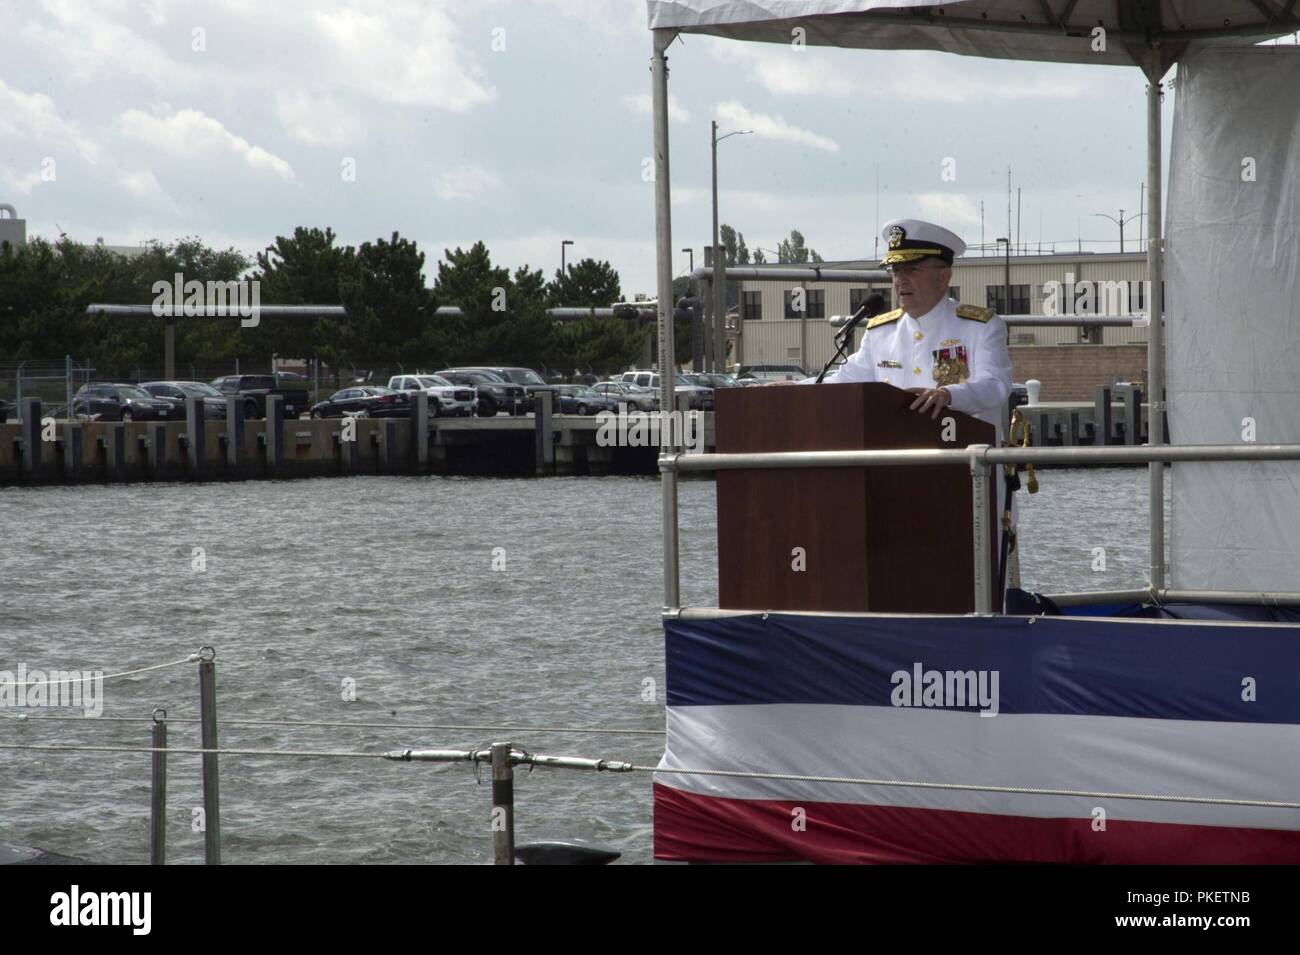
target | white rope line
[
  {"x": 192, "y": 658},
  {"x": 185, "y": 750},
  {"x": 347, "y": 725},
  {"x": 630, "y": 767},
  {"x": 968, "y": 787}
]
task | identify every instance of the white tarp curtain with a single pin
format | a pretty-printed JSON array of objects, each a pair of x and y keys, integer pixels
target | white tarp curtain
[
  {"x": 1233, "y": 316},
  {"x": 1005, "y": 29}
]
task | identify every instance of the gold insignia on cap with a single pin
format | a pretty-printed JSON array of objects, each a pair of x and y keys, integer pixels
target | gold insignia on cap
[{"x": 896, "y": 236}]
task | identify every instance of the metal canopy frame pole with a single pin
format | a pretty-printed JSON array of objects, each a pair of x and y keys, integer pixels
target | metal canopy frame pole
[
  {"x": 1155, "y": 309},
  {"x": 664, "y": 270}
]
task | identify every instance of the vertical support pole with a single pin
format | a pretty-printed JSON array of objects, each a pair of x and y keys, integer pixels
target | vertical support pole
[
  {"x": 503, "y": 805},
  {"x": 664, "y": 276},
  {"x": 31, "y": 432},
  {"x": 67, "y": 376},
  {"x": 1155, "y": 332},
  {"x": 208, "y": 718},
  {"x": 169, "y": 348},
  {"x": 274, "y": 425},
  {"x": 803, "y": 330},
  {"x": 672, "y": 577},
  {"x": 1133, "y": 416},
  {"x": 979, "y": 482},
  {"x": 72, "y": 451},
  {"x": 194, "y": 435},
  {"x": 1103, "y": 415},
  {"x": 157, "y": 451},
  {"x": 544, "y": 440},
  {"x": 158, "y": 791},
  {"x": 663, "y": 221},
  {"x": 116, "y": 446},
  {"x": 388, "y": 446},
  {"x": 719, "y": 309},
  {"x": 701, "y": 343},
  {"x": 420, "y": 434},
  {"x": 234, "y": 436}
]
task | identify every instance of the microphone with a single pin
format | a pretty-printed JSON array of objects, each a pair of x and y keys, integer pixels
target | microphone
[
  {"x": 870, "y": 308},
  {"x": 873, "y": 306}
]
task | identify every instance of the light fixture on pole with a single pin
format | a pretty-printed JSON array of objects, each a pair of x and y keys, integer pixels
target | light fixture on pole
[
  {"x": 1121, "y": 222},
  {"x": 563, "y": 270},
  {"x": 691, "y": 253},
  {"x": 718, "y": 338}
]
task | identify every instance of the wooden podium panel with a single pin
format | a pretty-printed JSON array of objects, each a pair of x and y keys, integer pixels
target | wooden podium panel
[{"x": 883, "y": 539}]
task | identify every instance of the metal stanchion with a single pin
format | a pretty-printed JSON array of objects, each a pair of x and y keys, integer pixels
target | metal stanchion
[
  {"x": 503, "y": 805},
  {"x": 979, "y": 480},
  {"x": 158, "y": 793},
  {"x": 208, "y": 716}
]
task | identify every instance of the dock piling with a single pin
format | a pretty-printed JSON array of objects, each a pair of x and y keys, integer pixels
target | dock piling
[
  {"x": 420, "y": 434},
  {"x": 208, "y": 717},
  {"x": 234, "y": 436},
  {"x": 158, "y": 791},
  {"x": 274, "y": 434},
  {"x": 1103, "y": 416},
  {"x": 31, "y": 438},
  {"x": 545, "y": 441},
  {"x": 503, "y": 805},
  {"x": 194, "y": 436}
]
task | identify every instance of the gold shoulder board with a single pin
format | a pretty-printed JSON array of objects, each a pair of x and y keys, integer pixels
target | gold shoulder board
[
  {"x": 974, "y": 312},
  {"x": 886, "y": 318}
]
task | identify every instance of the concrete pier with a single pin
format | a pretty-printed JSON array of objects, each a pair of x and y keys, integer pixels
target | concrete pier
[{"x": 236, "y": 449}]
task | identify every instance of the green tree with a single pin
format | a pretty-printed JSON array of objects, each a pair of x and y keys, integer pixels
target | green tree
[
  {"x": 588, "y": 283},
  {"x": 387, "y": 302},
  {"x": 794, "y": 250}
]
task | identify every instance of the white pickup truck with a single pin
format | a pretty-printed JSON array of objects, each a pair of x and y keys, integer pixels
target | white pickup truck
[{"x": 444, "y": 397}]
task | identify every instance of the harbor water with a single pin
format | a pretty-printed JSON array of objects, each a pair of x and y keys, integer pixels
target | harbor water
[{"x": 460, "y": 601}]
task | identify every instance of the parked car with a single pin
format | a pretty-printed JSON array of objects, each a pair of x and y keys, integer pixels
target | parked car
[
  {"x": 579, "y": 399},
  {"x": 254, "y": 389},
  {"x": 175, "y": 392},
  {"x": 530, "y": 380},
  {"x": 700, "y": 398},
  {"x": 494, "y": 392},
  {"x": 105, "y": 401},
  {"x": 366, "y": 401},
  {"x": 445, "y": 398},
  {"x": 771, "y": 372},
  {"x": 634, "y": 396},
  {"x": 719, "y": 380}
]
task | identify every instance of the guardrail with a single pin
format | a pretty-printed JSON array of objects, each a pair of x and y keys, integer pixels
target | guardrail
[{"x": 982, "y": 459}]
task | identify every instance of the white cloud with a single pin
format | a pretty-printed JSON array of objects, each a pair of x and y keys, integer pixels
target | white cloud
[
  {"x": 142, "y": 184},
  {"x": 193, "y": 133},
  {"x": 33, "y": 117},
  {"x": 950, "y": 209},
  {"x": 772, "y": 127},
  {"x": 401, "y": 52},
  {"x": 465, "y": 182},
  {"x": 643, "y": 105},
  {"x": 91, "y": 38},
  {"x": 318, "y": 119}
]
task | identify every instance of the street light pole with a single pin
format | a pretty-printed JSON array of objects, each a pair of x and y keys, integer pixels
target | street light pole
[
  {"x": 719, "y": 330},
  {"x": 1121, "y": 222},
  {"x": 563, "y": 270},
  {"x": 691, "y": 253}
]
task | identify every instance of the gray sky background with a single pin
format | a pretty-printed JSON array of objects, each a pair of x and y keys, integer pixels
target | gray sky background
[{"x": 524, "y": 122}]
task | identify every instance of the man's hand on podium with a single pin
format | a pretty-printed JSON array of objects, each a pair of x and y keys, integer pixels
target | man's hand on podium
[{"x": 930, "y": 398}]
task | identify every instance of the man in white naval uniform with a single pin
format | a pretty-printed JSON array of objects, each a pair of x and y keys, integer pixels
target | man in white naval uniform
[{"x": 947, "y": 354}]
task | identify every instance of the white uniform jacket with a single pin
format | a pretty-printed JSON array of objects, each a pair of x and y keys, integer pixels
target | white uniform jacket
[{"x": 961, "y": 347}]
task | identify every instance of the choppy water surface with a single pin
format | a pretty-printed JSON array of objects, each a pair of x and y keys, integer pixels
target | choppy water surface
[{"x": 388, "y": 582}]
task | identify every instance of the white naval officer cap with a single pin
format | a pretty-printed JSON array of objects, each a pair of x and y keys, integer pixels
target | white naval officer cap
[{"x": 912, "y": 239}]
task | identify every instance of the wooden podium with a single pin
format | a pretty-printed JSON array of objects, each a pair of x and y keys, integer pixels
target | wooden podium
[{"x": 882, "y": 539}]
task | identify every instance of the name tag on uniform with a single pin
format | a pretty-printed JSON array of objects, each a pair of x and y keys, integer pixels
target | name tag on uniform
[{"x": 887, "y": 363}]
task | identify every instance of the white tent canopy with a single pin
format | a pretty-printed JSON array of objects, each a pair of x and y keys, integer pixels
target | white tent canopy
[{"x": 1060, "y": 31}]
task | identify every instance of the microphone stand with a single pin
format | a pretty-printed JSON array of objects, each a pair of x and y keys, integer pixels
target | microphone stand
[{"x": 842, "y": 339}]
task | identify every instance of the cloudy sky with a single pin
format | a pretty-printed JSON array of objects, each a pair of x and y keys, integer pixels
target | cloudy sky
[{"x": 525, "y": 122}]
